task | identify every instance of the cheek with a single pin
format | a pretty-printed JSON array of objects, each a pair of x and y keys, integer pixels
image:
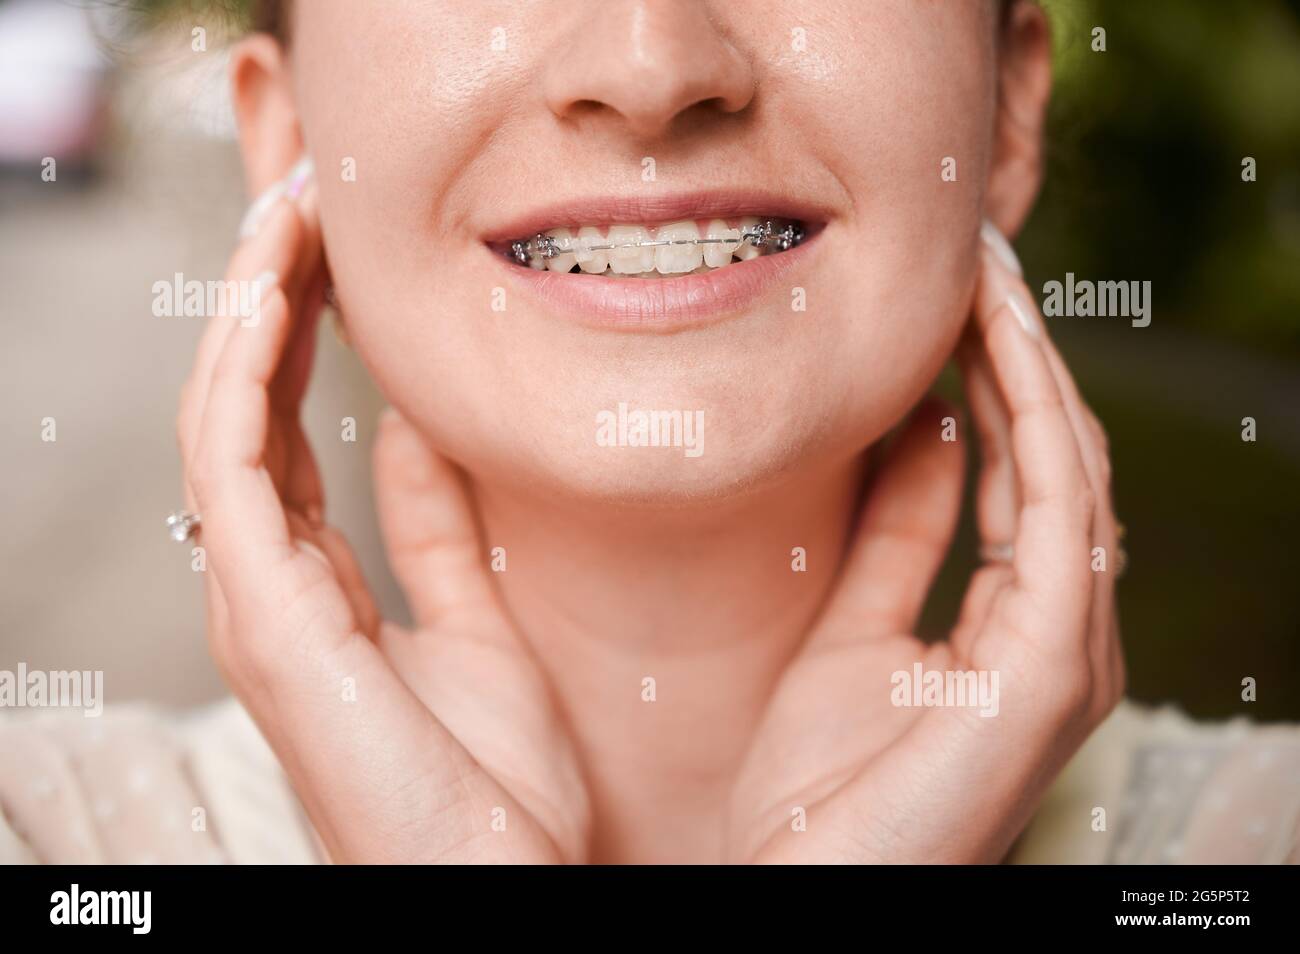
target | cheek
[
  {"x": 901, "y": 353},
  {"x": 910, "y": 140},
  {"x": 519, "y": 396}
]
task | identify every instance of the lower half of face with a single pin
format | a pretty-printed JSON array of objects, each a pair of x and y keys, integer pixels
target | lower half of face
[{"x": 681, "y": 284}]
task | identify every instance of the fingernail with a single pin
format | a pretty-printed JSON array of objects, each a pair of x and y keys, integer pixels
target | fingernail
[
  {"x": 257, "y": 211},
  {"x": 299, "y": 176},
  {"x": 1026, "y": 314},
  {"x": 995, "y": 240},
  {"x": 307, "y": 547},
  {"x": 290, "y": 185},
  {"x": 266, "y": 281}
]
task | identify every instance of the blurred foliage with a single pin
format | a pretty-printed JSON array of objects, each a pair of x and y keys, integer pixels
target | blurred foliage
[
  {"x": 1145, "y": 149},
  {"x": 1145, "y": 144},
  {"x": 232, "y": 15}
]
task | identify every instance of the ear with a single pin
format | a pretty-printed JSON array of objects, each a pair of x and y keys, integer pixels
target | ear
[
  {"x": 1024, "y": 86},
  {"x": 270, "y": 139}
]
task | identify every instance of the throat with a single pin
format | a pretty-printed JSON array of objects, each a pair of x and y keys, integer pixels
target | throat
[{"x": 662, "y": 634}]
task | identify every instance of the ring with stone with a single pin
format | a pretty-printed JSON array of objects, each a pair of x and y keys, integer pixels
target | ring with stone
[{"x": 182, "y": 525}]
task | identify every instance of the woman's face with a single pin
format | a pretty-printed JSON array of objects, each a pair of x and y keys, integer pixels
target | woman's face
[{"x": 440, "y": 128}]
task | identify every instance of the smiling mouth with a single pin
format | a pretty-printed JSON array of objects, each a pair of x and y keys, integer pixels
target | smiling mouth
[{"x": 684, "y": 247}]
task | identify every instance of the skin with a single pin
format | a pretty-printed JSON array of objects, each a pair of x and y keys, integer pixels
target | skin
[{"x": 522, "y": 690}]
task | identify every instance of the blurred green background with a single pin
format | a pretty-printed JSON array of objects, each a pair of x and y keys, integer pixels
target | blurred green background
[{"x": 1144, "y": 182}]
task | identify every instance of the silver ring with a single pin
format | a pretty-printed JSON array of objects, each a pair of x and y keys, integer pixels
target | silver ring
[
  {"x": 997, "y": 552},
  {"x": 182, "y": 525}
]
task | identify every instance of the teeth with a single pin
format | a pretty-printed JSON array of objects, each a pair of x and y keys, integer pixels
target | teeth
[
  {"x": 588, "y": 260},
  {"x": 715, "y": 256},
  {"x": 746, "y": 251},
  {"x": 631, "y": 260},
  {"x": 650, "y": 252},
  {"x": 565, "y": 261},
  {"x": 677, "y": 259}
]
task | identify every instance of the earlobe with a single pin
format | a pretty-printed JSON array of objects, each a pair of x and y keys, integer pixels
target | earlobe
[
  {"x": 261, "y": 91},
  {"x": 1024, "y": 88}
]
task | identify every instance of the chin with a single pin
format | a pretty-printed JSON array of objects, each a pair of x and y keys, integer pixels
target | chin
[{"x": 644, "y": 462}]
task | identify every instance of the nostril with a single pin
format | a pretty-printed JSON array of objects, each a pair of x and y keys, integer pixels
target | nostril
[{"x": 642, "y": 64}]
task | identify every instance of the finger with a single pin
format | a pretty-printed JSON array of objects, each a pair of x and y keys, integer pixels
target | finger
[
  {"x": 330, "y": 546},
  {"x": 1115, "y": 661},
  {"x": 273, "y": 249},
  {"x": 997, "y": 489},
  {"x": 264, "y": 572},
  {"x": 305, "y": 293},
  {"x": 985, "y": 584},
  {"x": 428, "y": 526},
  {"x": 275, "y": 245},
  {"x": 997, "y": 496},
  {"x": 320, "y": 691},
  {"x": 294, "y": 471},
  {"x": 235, "y": 426},
  {"x": 241, "y": 507},
  {"x": 1103, "y": 633},
  {"x": 1052, "y": 588},
  {"x": 906, "y": 527}
]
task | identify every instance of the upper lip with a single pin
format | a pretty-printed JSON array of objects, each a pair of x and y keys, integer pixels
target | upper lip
[{"x": 649, "y": 209}]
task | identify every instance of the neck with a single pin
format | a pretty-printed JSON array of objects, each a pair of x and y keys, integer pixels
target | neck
[{"x": 663, "y": 633}]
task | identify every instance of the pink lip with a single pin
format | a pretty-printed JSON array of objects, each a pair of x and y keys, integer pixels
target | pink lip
[
  {"x": 658, "y": 304},
  {"x": 666, "y": 304},
  {"x": 647, "y": 210}
]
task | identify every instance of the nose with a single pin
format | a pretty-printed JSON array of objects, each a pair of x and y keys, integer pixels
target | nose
[{"x": 644, "y": 63}]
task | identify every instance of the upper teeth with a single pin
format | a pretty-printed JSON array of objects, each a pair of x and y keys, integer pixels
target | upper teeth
[{"x": 671, "y": 249}]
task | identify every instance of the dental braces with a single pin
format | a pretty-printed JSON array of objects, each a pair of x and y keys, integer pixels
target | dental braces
[{"x": 760, "y": 236}]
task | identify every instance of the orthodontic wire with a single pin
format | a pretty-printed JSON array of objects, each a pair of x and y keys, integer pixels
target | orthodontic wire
[{"x": 758, "y": 236}]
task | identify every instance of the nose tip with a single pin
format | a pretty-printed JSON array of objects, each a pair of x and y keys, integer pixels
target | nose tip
[{"x": 644, "y": 63}]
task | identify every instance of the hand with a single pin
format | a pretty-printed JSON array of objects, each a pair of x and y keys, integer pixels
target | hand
[
  {"x": 883, "y": 783},
  {"x": 402, "y": 746}
]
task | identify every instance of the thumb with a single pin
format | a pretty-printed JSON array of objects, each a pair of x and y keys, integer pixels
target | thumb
[
  {"x": 907, "y": 524},
  {"x": 428, "y": 524}
]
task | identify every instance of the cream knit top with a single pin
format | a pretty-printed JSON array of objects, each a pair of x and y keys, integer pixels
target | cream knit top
[{"x": 142, "y": 785}]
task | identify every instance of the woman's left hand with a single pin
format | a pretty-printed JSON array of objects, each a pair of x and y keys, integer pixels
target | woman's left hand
[{"x": 838, "y": 770}]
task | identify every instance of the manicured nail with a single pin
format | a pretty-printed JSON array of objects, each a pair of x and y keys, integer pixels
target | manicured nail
[
  {"x": 1026, "y": 314},
  {"x": 995, "y": 240},
  {"x": 291, "y": 185},
  {"x": 299, "y": 176},
  {"x": 307, "y": 547},
  {"x": 266, "y": 281},
  {"x": 257, "y": 211}
]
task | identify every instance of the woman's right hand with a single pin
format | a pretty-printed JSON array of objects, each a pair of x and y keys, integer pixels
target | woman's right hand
[{"x": 441, "y": 743}]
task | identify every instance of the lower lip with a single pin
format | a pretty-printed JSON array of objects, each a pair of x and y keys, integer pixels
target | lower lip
[{"x": 659, "y": 305}]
